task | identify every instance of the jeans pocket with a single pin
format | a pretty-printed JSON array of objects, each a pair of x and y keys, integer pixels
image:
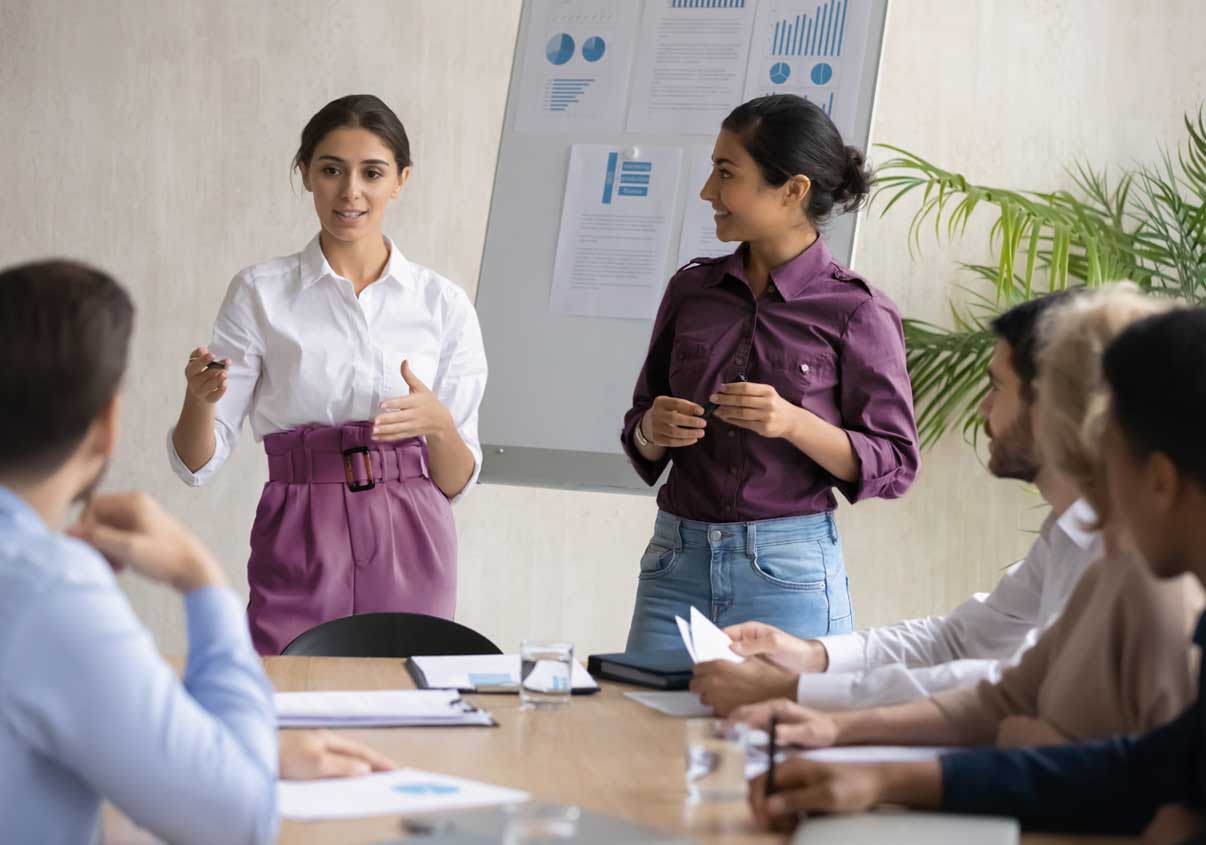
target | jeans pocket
[
  {"x": 658, "y": 561},
  {"x": 793, "y": 566}
]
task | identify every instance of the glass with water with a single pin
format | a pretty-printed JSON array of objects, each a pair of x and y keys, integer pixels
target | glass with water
[
  {"x": 545, "y": 673},
  {"x": 716, "y": 751}
]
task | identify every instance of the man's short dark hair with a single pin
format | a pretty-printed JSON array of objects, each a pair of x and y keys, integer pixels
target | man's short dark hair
[
  {"x": 1157, "y": 371},
  {"x": 64, "y": 338},
  {"x": 1019, "y": 328}
]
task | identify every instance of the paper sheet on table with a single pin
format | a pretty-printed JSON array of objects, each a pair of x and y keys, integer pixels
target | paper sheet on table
[
  {"x": 680, "y": 704},
  {"x": 698, "y": 237},
  {"x": 576, "y": 65},
  {"x": 690, "y": 66},
  {"x": 812, "y": 48},
  {"x": 757, "y": 759},
  {"x": 704, "y": 641},
  {"x": 403, "y": 791},
  {"x": 613, "y": 246},
  {"x": 377, "y": 708},
  {"x": 471, "y": 671}
]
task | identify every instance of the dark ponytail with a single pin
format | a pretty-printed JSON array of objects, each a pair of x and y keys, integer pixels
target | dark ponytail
[{"x": 788, "y": 136}]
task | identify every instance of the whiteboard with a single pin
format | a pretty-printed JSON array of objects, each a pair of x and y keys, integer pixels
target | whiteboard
[{"x": 560, "y": 384}]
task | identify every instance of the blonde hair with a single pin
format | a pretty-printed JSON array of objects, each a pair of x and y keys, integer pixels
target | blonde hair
[{"x": 1072, "y": 394}]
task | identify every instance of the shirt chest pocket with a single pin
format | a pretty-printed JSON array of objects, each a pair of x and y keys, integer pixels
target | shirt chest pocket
[
  {"x": 688, "y": 370},
  {"x": 808, "y": 381}
]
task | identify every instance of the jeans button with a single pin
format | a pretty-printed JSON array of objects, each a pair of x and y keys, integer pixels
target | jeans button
[{"x": 714, "y": 535}]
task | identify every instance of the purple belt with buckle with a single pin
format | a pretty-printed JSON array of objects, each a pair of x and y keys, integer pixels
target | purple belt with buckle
[{"x": 359, "y": 467}]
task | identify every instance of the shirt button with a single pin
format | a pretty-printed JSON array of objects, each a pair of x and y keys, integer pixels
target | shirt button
[
  {"x": 732, "y": 470},
  {"x": 732, "y": 433},
  {"x": 728, "y": 508},
  {"x": 714, "y": 534},
  {"x": 804, "y": 368}
]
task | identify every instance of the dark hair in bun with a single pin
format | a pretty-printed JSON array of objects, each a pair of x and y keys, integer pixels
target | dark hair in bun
[{"x": 788, "y": 136}]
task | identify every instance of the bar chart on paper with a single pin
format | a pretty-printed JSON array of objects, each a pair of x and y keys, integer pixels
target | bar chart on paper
[{"x": 805, "y": 47}]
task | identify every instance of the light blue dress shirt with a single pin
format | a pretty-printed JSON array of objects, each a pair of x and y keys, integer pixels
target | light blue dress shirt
[{"x": 90, "y": 711}]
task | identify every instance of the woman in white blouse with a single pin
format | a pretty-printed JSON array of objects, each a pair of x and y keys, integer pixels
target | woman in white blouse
[{"x": 362, "y": 373}]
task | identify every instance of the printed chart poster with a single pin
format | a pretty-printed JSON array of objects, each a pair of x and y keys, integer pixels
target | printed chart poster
[
  {"x": 690, "y": 66},
  {"x": 616, "y": 223},
  {"x": 698, "y": 238},
  {"x": 813, "y": 48},
  {"x": 576, "y": 65}
]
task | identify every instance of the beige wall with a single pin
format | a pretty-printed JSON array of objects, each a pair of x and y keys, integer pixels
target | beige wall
[{"x": 154, "y": 138}]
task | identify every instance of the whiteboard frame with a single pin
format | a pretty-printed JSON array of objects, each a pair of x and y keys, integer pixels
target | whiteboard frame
[{"x": 520, "y": 464}]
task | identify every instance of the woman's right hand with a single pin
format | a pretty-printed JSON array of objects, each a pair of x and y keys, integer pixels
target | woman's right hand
[
  {"x": 673, "y": 422},
  {"x": 205, "y": 384}
]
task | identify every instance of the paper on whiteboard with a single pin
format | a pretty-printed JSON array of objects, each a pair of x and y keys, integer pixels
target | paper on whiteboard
[
  {"x": 690, "y": 65},
  {"x": 813, "y": 48},
  {"x": 614, "y": 241},
  {"x": 576, "y": 64},
  {"x": 698, "y": 238},
  {"x": 386, "y": 793}
]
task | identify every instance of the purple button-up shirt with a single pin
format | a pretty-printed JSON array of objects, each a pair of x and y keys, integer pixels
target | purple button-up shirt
[{"x": 825, "y": 340}]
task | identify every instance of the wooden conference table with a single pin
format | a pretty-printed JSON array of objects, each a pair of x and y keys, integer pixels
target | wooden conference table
[{"x": 604, "y": 753}]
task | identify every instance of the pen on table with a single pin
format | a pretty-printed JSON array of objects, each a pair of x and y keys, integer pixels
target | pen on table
[{"x": 772, "y": 750}]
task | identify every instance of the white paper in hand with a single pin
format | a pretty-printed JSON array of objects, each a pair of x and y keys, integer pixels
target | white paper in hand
[
  {"x": 710, "y": 643},
  {"x": 704, "y": 641},
  {"x": 684, "y": 631}
]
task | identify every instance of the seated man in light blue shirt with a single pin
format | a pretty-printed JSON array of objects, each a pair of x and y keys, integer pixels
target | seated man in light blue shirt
[{"x": 88, "y": 709}]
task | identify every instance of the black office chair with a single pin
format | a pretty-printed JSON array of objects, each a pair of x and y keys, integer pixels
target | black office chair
[{"x": 389, "y": 635}]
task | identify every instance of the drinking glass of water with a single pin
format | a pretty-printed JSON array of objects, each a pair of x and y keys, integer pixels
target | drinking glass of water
[
  {"x": 716, "y": 753},
  {"x": 545, "y": 673}
]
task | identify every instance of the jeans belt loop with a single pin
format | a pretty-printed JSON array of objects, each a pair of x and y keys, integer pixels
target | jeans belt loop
[
  {"x": 832, "y": 527},
  {"x": 751, "y": 539}
]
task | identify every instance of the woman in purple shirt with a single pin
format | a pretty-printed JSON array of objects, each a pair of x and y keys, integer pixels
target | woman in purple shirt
[{"x": 773, "y": 375}]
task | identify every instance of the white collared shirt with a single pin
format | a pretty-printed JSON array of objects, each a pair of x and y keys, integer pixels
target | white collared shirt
[
  {"x": 305, "y": 349},
  {"x": 974, "y": 642}
]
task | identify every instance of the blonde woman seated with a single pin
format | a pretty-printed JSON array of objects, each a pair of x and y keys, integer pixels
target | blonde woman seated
[{"x": 1115, "y": 661}]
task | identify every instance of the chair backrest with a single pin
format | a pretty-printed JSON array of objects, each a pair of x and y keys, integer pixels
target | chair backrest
[{"x": 389, "y": 635}]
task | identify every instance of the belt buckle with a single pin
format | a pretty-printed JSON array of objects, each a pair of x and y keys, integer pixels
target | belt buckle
[{"x": 353, "y": 485}]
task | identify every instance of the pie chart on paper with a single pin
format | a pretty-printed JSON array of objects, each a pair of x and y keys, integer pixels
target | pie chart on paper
[
  {"x": 780, "y": 72},
  {"x": 593, "y": 48},
  {"x": 560, "y": 48}
]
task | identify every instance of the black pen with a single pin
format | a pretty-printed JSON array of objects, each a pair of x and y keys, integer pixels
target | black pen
[
  {"x": 216, "y": 365},
  {"x": 771, "y": 751},
  {"x": 711, "y": 406}
]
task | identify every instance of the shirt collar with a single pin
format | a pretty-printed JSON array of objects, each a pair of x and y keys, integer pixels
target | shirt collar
[
  {"x": 314, "y": 265},
  {"x": 1075, "y": 521},
  {"x": 790, "y": 278},
  {"x": 19, "y": 511}
]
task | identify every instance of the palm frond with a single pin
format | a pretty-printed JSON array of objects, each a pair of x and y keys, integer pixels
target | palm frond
[{"x": 1147, "y": 224}]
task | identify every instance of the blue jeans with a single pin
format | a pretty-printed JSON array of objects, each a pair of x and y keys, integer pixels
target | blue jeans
[{"x": 785, "y": 572}]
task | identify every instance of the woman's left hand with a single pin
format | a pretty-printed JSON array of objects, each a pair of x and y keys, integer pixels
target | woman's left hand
[
  {"x": 757, "y": 407},
  {"x": 417, "y": 415}
]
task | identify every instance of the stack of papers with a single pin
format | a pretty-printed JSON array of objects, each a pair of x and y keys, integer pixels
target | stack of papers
[
  {"x": 681, "y": 704},
  {"x": 483, "y": 673},
  {"x": 377, "y": 709},
  {"x": 704, "y": 641},
  {"x": 402, "y": 791}
]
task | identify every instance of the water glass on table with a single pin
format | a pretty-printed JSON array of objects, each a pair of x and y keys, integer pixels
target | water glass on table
[
  {"x": 545, "y": 673},
  {"x": 716, "y": 754}
]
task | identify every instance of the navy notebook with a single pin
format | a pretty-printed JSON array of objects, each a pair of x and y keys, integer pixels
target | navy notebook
[{"x": 664, "y": 669}]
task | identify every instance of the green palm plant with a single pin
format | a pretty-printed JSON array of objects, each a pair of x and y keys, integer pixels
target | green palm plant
[{"x": 1147, "y": 224}]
